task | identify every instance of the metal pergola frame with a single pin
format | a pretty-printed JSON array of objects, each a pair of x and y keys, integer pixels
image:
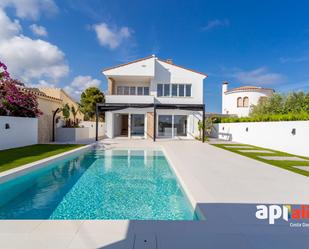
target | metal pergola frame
[{"x": 104, "y": 107}]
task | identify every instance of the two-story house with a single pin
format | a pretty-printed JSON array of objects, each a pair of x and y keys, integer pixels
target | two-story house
[{"x": 152, "y": 98}]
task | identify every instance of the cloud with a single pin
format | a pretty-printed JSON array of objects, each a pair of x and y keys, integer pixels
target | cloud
[
  {"x": 260, "y": 75},
  {"x": 8, "y": 28},
  {"x": 38, "y": 30},
  {"x": 41, "y": 84},
  {"x": 109, "y": 37},
  {"x": 79, "y": 84},
  {"x": 30, "y": 9},
  {"x": 29, "y": 59},
  {"x": 216, "y": 23}
]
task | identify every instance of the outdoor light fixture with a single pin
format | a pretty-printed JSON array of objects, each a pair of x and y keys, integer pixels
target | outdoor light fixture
[
  {"x": 247, "y": 129},
  {"x": 7, "y": 126},
  {"x": 293, "y": 132},
  {"x": 223, "y": 128}
]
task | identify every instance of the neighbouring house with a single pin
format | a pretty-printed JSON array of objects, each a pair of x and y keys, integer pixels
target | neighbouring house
[
  {"x": 49, "y": 100},
  {"x": 152, "y": 98},
  {"x": 238, "y": 101}
]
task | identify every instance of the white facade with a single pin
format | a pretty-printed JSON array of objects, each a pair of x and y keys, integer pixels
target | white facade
[
  {"x": 17, "y": 132},
  {"x": 149, "y": 81},
  {"x": 238, "y": 101},
  {"x": 287, "y": 136}
]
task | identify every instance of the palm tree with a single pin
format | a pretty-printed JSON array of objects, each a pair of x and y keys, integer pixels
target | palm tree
[
  {"x": 74, "y": 113},
  {"x": 66, "y": 113}
]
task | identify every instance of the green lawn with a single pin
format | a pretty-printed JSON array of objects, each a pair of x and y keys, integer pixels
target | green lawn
[
  {"x": 288, "y": 165},
  {"x": 12, "y": 158}
]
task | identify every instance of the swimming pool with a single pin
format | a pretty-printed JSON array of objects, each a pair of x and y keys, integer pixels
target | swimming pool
[{"x": 98, "y": 184}]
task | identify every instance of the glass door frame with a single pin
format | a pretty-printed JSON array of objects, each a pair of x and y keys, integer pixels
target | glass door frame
[{"x": 173, "y": 125}]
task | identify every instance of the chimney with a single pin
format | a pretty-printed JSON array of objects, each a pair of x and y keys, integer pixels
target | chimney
[
  {"x": 170, "y": 61},
  {"x": 224, "y": 87}
]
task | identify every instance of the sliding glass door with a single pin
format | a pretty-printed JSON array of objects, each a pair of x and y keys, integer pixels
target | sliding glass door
[
  {"x": 172, "y": 125},
  {"x": 165, "y": 125},
  {"x": 180, "y": 125},
  {"x": 137, "y": 124}
]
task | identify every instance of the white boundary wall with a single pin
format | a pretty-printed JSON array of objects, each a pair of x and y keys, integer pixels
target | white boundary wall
[
  {"x": 22, "y": 132},
  {"x": 91, "y": 126},
  {"x": 272, "y": 135}
]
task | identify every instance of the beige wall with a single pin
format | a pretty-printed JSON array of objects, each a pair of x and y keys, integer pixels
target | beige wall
[
  {"x": 48, "y": 105},
  {"x": 45, "y": 121},
  {"x": 66, "y": 99}
]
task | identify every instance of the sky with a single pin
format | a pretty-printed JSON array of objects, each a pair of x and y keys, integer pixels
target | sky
[{"x": 67, "y": 43}]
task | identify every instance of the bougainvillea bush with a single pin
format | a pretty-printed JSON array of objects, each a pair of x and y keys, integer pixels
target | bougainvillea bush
[
  {"x": 3, "y": 71},
  {"x": 13, "y": 101}
]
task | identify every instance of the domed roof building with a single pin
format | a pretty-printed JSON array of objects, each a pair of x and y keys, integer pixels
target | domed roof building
[{"x": 238, "y": 101}]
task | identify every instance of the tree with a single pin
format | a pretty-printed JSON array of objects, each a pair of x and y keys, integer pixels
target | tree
[
  {"x": 89, "y": 98},
  {"x": 66, "y": 113},
  {"x": 74, "y": 113},
  {"x": 279, "y": 104}
]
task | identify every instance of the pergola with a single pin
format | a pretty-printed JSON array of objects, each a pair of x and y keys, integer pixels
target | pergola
[{"x": 105, "y": 107}]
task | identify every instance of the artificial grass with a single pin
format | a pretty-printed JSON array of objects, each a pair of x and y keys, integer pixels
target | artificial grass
[
  {"x": 13, "y": 158},
  {"x": 282, "y": 164}
]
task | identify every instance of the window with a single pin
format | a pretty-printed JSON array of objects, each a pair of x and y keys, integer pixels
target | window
[
  {"x": 139, "y": 90},
  {"x": 181, "y": 90},
  {"x": 159, "y": 90},
  {"x": 126, "y": 90},
  {"x": 120, "y": 90},
  {"x": 174, "y": 90},
  {"x": 239, "y": 102},
  {"x": 246, "y": 102},
  {"x": 188, "y": 90},
  {"x": 146, "y": 90},
  {"x": 166, "y": 90},
  {"x": 132, "y": 90}
]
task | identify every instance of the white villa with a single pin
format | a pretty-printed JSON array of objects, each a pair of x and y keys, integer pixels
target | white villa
[
  {"x": 238, "y": 101},
  {"x": 152, "y": 98}
]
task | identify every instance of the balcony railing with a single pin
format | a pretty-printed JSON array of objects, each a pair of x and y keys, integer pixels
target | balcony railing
[{"x": 147, "y": 99}]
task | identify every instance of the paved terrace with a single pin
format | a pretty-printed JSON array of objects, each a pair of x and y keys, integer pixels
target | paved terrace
[{"x": 224, "y": 186}]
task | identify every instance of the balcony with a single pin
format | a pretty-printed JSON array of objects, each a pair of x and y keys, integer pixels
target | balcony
[{"x": 136, "y": 99}]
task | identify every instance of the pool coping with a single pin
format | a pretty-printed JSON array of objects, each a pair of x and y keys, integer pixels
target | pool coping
[{"x": 26, "y": 168}]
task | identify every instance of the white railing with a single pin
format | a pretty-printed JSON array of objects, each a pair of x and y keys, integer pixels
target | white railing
[{"x": 143, "y": 99}]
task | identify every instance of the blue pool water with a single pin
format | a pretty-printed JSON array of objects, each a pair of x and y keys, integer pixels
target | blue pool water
[{"x": 111, "y": 184}]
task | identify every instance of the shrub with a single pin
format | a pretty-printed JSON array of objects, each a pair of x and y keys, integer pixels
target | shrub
[
  {"x": 14, "y": 102},
  {"x": 268, "y": 118},
  {"x": 3, "y": 71},
  {"x": 295, "y": 102},
  {"x": 291, "y": 107}
]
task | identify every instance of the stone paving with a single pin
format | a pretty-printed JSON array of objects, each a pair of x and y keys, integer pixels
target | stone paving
[
  {"x": 257, "y": 151},
  {"x": 284, "y": 158},
  {"x": 305, "y": 168},
  {"x": 239, "y": 146}
]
